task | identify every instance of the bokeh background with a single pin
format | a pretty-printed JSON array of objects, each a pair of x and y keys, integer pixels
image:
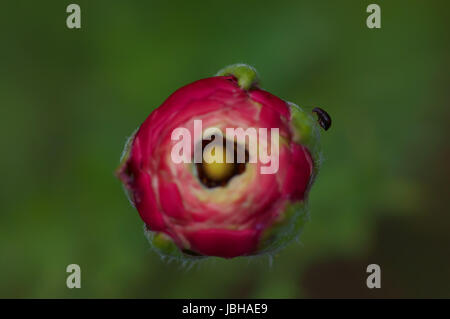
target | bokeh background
[{"x": 70, "y": 98}]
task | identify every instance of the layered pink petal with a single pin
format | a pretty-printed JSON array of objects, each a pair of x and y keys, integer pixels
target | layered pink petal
[
  {"x": 171, "y": 201},
  {"x": 271, "y": 101},
  {"x": 298, "y": 173},
  {"x": 145, "y": 201},
  {"x": 223, "y": 242}
]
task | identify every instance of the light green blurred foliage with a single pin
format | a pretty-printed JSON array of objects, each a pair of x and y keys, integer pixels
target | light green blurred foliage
[{"x": 70, "y": 98}]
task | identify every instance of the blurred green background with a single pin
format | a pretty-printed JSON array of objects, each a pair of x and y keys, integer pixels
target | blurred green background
[{"x": 69, "y": 99}]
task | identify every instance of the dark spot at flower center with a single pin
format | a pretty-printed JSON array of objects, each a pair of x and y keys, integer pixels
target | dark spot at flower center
[{"x": 218, "y": 173}]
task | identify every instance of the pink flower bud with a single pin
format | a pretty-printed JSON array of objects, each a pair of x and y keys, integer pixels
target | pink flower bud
[{"x": 222, "y": 209}]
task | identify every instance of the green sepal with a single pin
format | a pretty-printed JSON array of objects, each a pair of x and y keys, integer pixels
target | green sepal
[
  {"x": 306, "y": 132},
  {"x": 123, "y": 162},
  {"x": 167, "y": 249},
  {"x": 288, "y": 227},
  {"x": 245, "y": 74}
]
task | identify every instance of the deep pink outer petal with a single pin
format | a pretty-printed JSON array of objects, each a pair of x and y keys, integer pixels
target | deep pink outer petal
[
  {"x": 272, "y": 101},
  {"x": 145, "y": 201},
  {"x": 298, "y": 173},
  {"x": 170, "y": 199},
  {"x": 223, "y": 242}
]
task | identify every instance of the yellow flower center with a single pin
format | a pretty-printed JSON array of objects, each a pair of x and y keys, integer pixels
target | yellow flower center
[{"x": 215, "y": 167}]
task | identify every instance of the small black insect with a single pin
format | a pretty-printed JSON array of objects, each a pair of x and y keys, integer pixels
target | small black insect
[{"x": 323, "y": 118}]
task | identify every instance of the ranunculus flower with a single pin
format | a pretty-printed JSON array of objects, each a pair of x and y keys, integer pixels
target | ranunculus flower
[{"x": 192, "y": 209}]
